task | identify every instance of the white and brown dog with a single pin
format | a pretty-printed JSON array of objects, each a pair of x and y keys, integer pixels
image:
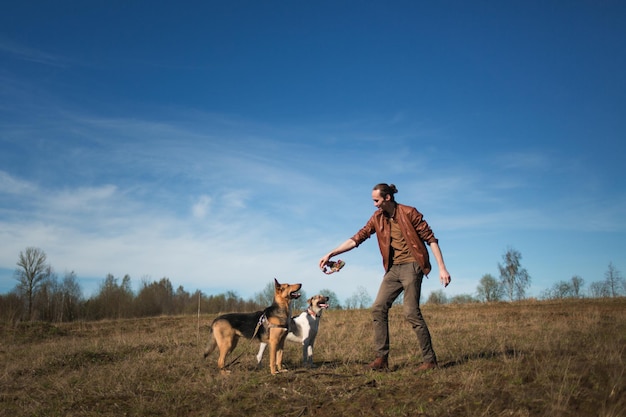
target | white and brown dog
[{"x": 303, "y": 329}]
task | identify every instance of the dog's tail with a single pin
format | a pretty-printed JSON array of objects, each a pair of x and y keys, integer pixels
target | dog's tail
[{"x": 212, "y": 343}]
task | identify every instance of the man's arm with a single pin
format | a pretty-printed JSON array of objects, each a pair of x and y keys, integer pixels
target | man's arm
[
  {"x": 444, "y": 275},
  {"x": 344, "y": 247}
]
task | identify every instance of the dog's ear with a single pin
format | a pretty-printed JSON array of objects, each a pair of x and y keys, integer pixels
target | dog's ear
[
  {"x": 310, "y": 301},
  {"x": 276, "y": 283}
]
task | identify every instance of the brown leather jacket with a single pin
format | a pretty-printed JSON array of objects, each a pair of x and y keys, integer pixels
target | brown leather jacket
[{"x": 413, "y": 227}]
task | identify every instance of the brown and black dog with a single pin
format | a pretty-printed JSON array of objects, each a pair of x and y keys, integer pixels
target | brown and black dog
[{"x": 270, "y": 326}]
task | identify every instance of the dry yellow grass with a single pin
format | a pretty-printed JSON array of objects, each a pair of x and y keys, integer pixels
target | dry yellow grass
[{"x": 524, "y": 359}]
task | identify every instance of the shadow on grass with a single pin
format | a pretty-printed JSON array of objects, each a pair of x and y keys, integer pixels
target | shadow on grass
[
  {"x": 331, "y": 367},
  {"x": 506, "y": 353}
]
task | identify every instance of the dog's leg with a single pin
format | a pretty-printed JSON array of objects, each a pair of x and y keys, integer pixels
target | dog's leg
[
  {"x": 279, "y": 355},
  {"x": 273, "y": 342},
  {"x": 211, "y": 345},
  {"x": 259, "y": 356},
  {"x": 279, "y": 361},
  {"x": 276, "y": 340},
  {"x": 311, "y": 344},
  {"x": 226, "y": 339},
  {"x": 309, "y": 355},
  {"x": 227, "y": 346},
  {"x": 305, "y": 351}
]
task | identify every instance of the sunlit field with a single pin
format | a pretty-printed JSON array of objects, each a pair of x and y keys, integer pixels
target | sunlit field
[{"x": 543, "y": 358}]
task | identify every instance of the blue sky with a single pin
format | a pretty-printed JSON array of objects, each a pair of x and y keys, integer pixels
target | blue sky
[{"x": 223, "y": 144}]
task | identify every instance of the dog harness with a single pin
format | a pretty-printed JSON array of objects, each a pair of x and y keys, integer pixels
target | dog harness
[{"x": 265, "y": 323}]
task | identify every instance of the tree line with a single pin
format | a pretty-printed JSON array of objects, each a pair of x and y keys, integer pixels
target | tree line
[
  {"x": 515, "y": 280},
  {"x": 40, "y": 294}
]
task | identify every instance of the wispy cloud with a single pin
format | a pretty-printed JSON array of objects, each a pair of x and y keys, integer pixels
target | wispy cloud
[
  {"x": 11, "y": 185},
  {"x": 70, "y": 200},
  {"x": 30, "y": 54},
  {"x": 525, "y": 160},
  {"x": 201, "y": 207}
]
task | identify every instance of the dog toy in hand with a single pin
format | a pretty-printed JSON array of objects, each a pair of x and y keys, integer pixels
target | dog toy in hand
[{"x": 333, "y": 266}]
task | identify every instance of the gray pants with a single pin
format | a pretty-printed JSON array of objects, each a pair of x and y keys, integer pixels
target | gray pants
[{"x": 407, "y": 278}]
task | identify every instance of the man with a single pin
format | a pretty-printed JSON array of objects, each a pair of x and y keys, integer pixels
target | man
[{"x": 402, "y": 233}]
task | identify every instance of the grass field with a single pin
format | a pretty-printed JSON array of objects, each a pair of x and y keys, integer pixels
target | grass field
[{"x": 542, "y": 358}]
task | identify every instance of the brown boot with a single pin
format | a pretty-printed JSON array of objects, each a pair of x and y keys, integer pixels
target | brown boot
[
  {"x": 426, "y": 366},
  {"x": 379, "y": 364}
]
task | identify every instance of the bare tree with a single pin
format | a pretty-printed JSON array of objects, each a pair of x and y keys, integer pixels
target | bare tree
[
  {"x": 559, "y": 290},
  {"x": 489, "y": 289},
  {"x": 614, "y": 281},
  {"x": 577, "y": 284},
  {"x": 182, "y": 299},
  {"x": 47, "y": 299},
  {"x": 11, "y": 307},
  {"x": 266, "y": 296},
  {"x": 613, "y": 284},
  {"x": 31, "y": 273},
  {"x": 599, "y": 289},
  {"x": 514, "y": 278},
  {"x": 71, "y": 297},
  {"x": 360, "y": 299},
  {"x": 114, "y": 300}
]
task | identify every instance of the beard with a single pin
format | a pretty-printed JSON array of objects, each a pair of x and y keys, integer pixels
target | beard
[{"x": 388, "y": 207}]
